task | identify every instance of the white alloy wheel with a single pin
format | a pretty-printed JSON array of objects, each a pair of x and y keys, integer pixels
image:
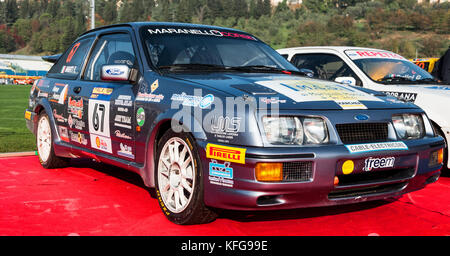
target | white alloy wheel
[
  {"x": 44, "y": 138},
  {"x": 176, "y": 178}
]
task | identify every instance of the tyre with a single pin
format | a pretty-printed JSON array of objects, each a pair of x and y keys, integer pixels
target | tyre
[
  {"x": 44, "y": 143},
  {"x": 179, "y": 180}
]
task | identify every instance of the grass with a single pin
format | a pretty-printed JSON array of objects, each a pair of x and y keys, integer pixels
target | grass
[{"x": 14, "y": 134}]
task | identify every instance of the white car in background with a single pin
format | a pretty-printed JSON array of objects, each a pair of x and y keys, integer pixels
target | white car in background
[{"x": 379, "y": 70}]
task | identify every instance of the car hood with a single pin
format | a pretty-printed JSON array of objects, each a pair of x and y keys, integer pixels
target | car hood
[{"x": 294, "y": 92}]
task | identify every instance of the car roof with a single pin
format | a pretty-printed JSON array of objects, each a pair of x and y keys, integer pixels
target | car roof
[
  {"x": 139, "y": 24},
  {"x": 335, "y": 48}
]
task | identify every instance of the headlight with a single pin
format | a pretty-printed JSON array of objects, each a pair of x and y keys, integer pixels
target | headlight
[
  {"x": 409, "y": 126},
  {"x": 316, "y": 131},
  {"x": 295, "y": 130}
]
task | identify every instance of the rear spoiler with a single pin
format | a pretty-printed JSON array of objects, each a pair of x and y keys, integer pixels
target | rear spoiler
[{"x": 52, "y": 58}]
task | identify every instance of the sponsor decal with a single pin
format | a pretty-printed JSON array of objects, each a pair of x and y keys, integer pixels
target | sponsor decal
[
  {"x": 194, "y": 101},
  {"x": 101, "y": 143},
  {"x": 376, "y": 163},
  {"x": 28, "y": 115},
  {"x": 75, "y": 107},
  {"x": 98, "y": 115},
  {"x": 75, "y": 123},
  {"x": 272, "y": 100},
  {"x": 140, "y": 116},
  {"x": 78, "y": 138},
  {"x": 305, "y": 91},
  {"x": 69, "y": 69},
  {"x": 403, "y": 96},
  {"x": 125, "y": 151},
  {"x": 225, "y": 153},
  {"x": 59, "y": 96},
  {"x": 72, "y": 52},
  {"x": 122, "y": 121},
  {"x": 225, "y": 128},
  {"x": 364, "y": 54},
  {"x": 122, "y": 135},
  {"x": 58, "y": 117},
  {"x": 101, "y": 91},
  {"x": 150, "y": 97},
  {"x": 42, "y": 94},
  {"x": 220, "y": 174},
  {"x": 115, "y": 71},
  {"x": 122, "y": 109},
  {"x": 369, "y": 147},
  {"x": 203, "y": 32},
  {"x": 124, "y": 101},
  {"x": 63, "y": 133},
  {"x": 354, "y": 104}
]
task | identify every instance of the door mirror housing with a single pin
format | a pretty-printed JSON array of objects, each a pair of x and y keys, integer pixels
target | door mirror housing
[
  {"x": 118, "y": 73},
  {"x": 346, "y": 80}
]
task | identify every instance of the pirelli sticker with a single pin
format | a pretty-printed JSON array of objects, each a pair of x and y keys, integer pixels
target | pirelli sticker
[{"x": 225, "y": 153}]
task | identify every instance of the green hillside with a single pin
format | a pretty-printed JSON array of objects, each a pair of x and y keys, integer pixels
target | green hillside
[{"x": 46, "y": 27}]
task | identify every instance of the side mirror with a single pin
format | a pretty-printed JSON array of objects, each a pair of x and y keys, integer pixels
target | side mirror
[
  {"x": 346, "y": 80},
  {"x": 307, "y": 72},
  {"x": 118, "y": 73}
]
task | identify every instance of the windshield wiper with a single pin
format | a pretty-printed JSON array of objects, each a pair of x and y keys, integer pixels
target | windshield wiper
[
  {"x": 428, "y": 80},
  {"x": 395, "y": 79},
  {"x": 191, "y": 66},
  {"x": 263, "y": 68}
]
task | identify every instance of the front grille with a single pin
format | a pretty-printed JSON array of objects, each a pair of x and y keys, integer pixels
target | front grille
[
  {"x": 375, "y": 176},
  {"x": 297, "y": 171},
  {"x": 364, "y": 132},
  {"x": 367, "y": 191}
]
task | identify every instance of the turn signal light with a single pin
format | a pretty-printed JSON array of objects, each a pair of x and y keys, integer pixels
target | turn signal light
[
  {"x": 269, "y": 171},
  {"x": 441, "y": 156},
  {"x": 436, "y": 157}
]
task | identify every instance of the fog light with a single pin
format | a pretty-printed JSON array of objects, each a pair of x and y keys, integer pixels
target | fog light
[
  {"x": 269, "y": 171},
  {"x": 436, "y": 157},
  {"x": 348, "y": 167}
]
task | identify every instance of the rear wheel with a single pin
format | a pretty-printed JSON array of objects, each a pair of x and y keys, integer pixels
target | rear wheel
[
  {"x": 179, "y": 181},
  {"x": 44, "y": 142}
]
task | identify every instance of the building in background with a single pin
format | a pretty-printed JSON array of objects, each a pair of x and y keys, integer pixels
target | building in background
[{"x": 22, "y": 69}]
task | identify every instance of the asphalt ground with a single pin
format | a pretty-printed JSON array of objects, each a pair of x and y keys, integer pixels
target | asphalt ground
[{"x": 92, "y": 199}]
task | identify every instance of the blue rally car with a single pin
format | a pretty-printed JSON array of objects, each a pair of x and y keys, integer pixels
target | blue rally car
[{"x": 212, "y": 117}]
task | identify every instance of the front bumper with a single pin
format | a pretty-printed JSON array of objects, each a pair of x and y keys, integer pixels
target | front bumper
[{"x": 243, "y": 192}]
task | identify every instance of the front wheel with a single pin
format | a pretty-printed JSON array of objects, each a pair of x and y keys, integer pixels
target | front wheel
[{"x": 179, "y": 183}]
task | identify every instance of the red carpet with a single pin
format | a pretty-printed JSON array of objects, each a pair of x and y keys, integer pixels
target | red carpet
[{"x": 94, "y": 199}]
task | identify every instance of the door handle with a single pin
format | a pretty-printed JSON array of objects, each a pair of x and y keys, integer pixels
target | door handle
[{"x": 77, "y": 89}]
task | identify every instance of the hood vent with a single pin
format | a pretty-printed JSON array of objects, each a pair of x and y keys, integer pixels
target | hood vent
[{"x": 254, "y": 89}]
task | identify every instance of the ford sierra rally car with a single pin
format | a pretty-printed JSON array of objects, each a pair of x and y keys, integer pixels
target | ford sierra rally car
[
  {"x": 379, "y": 70},
  {"x": 212, "y": 117}
]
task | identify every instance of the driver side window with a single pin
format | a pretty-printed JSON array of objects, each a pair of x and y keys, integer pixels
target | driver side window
[
  {"x": 114, "y": 49},
  {"x": 324, "y": 66}
]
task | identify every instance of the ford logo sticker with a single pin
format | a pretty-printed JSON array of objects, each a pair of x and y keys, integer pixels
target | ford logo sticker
[{"x": 362, "y": 117}]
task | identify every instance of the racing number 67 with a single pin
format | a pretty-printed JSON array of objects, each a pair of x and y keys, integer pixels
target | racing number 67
[{"x": 95, "y": 116}]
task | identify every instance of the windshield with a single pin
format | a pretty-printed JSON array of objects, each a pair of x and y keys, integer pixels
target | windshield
[
  {"x": 386, "y": 67},
  {"x": 177, "y": 48}
]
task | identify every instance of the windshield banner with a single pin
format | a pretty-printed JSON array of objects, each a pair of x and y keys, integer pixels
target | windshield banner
[{"x": 370, "y": 54}]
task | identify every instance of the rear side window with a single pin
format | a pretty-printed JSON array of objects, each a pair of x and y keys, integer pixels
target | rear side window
[{"x": 71, "y": 62}]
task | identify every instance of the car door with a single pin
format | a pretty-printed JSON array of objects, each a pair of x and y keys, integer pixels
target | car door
[
  {"x": 109, "y": 101},
  {"x": 64, "y": 75},
  {"x": 325, "y": 66}
]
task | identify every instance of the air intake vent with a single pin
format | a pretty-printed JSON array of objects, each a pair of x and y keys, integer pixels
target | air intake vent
[
  {"x": 297, "y": 171},
  {"x": 360, "y": 133}
]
